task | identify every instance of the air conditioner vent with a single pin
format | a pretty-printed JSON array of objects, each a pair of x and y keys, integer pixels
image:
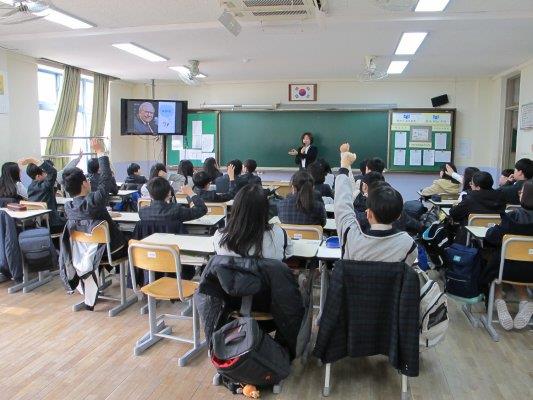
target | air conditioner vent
[
  {"x": 272, "y": 3},
  {"x": 272, "y": 10}
]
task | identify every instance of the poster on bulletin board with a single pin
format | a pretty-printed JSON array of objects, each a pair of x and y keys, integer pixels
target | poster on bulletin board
[{"x": 420, "y": 140}]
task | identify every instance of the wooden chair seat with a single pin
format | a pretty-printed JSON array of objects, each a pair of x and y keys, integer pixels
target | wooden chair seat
[{"x": 166, "y": 288}]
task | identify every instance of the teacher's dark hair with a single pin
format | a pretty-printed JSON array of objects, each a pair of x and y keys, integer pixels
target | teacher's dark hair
[
  {"x": 247, "y": 223},
  {"x": 305, "y": 196},
  {"x": 308, "y": 134}
]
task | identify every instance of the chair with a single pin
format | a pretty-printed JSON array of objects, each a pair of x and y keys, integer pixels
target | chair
[
  {"x": 512, "y": 207},
  {"x": 217, "y": 209},
  {"x": 164, "y": 258},
  {"x": 284, "y": 190},
  {"x": 485, "y": 220},
  {"x": 98, "y": 236},
  {"x": 143, "y": 202},
  {"x": 514, "y": 248},
  {"x": 312, "y": 232}
]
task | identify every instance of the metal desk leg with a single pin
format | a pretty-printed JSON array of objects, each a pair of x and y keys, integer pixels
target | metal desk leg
[{"x": 125, "y": 302}]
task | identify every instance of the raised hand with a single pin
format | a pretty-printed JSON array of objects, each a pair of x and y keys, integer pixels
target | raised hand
[
  {"x": 344, "y": 147},
  {"x": 449, "y": 170},
  {"x": 187, "y": 190},
  {"x": 97, "y": 146},
  {"x": 231, "y": 172}
]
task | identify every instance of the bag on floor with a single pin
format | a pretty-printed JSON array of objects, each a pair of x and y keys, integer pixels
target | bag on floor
[
  {"x": 463, "y": 266},
  {"x": 414, "y": 208},
  {"x": 37, "y": 249},
  {"x": 434, "y": 318},
  {"x": 436, "y": 239}
]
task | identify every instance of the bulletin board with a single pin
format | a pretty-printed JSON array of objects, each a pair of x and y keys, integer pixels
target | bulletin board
[
  {"x": 200, "y": 142},
  {"x": 420, "y": 140}
]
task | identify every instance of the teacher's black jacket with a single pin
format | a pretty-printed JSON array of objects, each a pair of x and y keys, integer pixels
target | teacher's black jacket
[{"x": 310, "y": 157}]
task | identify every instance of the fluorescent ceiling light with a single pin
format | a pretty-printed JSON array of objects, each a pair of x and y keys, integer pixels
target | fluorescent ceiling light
[
  {"x": 410, "y": 42},
  {"x": 397, "y": 67},
  {"x": 431, "y": 5},
  {"x": 139, "y": 52},
  {"x": 182, "y": 69}
]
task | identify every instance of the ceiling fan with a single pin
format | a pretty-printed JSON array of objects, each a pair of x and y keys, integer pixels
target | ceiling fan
[
  {"x": 396, "y": 5},
  {"x": 190, "y": 74},
  {"x": 21, "y": 11},
  {"x": 370, "y": 74}
]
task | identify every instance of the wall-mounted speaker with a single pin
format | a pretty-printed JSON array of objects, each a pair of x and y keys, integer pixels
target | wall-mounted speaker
[{"x": 440, "y": 100}]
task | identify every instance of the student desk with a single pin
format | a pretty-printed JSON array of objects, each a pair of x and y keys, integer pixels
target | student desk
[
  {"x": 43, "y": 277},
  {"x": 130, "y": 218},
  {"x": 446, "y": 211},
  {"x": 196, "y": 249},
  {"x": 443, "y": 203},
  {"x": 330, "y": 223},
  {"x": 121, "y": 195},
  {"x": 478, "y": 231}
]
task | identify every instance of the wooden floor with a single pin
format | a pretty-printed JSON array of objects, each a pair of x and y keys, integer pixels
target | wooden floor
[{"x": 49, "y": 352}]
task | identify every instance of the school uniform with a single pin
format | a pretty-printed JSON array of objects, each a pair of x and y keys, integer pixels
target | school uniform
[
  {"x": 478, "y": 202},
  {"x": 308, "y": 157},
  {"x": 324, "y": 189},
  {"x": 510, "y": 192},
  {"x": 94, "y": 180},
  {"x": 442, "y": 186},
  {"x": 217, "y": 174},
  {"x": 222, "y": 183},
  {"x": 161, "y": 211},
  {"x": 211, "y": 196},
  {"x": 289, "y": 213},
  {"x": 247, "y": 178},
  {"x": 135, "y": 180}
]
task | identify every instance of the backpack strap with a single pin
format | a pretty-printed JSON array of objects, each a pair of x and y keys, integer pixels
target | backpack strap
[
  {"x": 344, "y": 237},
  {"x": 246, "y": 306},
  {"x": 413, "y": 247},
  {"x": 285, "y": 242}
]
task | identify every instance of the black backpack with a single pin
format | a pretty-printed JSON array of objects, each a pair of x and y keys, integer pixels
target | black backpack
[
  {"x": 435, "y": 239},
  {"x": 463, "y": 266},
  {"x": 37, "y": 249}
]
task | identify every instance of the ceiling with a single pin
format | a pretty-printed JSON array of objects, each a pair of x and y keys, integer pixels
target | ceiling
[{"x": 471, "y": 38}]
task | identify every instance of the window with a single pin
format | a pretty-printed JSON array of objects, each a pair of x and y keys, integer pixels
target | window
[
  {"x": 511, "y": 121},
  {"x": 49, "y": 86}
]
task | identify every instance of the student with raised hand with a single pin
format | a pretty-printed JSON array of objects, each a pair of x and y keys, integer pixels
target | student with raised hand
[
  {"x": 506, "y": 178},
  {"x": 248, "y": 176},
  {"x": 465, "y": 180},
  {"x": 43, "y": 188},
  {"x": 134, "y": 175},
  {"x": 10, "y": 185},
  {"x": 248, "y": 232},
  {"x": 516, "y": 222},
  {"x": 444, "y": 185},
  {"x": 384, "y": 206},
  {"x": 222, "y": 182},
  {"x": 201, "y": 187},
  {"x": 481, "y": 199},
  {"x": 523, "y": 170},
  {"x": 94, "y": 176},
  {"x": 211, "y": 169},
  {"x": 302, "y": 206},
  {"x": 161, "y": 209}
]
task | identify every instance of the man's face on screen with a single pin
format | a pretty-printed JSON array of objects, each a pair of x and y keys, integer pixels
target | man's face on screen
[{"x": 146, "y": 112}]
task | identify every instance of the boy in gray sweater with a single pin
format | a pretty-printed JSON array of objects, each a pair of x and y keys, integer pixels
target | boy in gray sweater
[{"x": 384, "y": 206}]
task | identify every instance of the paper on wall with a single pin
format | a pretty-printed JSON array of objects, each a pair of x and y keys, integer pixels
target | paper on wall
[
  {"x": 415, "y": 157},
  {"x": 443, "y": 156},
  {"x": 183, "y": 154},
  {"x": 400, "y": 140},
  {"x": 399, "y": 157},
  {"x": 440, "y": 141},
  {"x": 197, "y": 128},
  {"x": 207, "y": 155},
  {"x": 193, "y": 154},
  {"x": 429, "y": 157},
  {"x": 177, "y": 143},
  {"x": 197, "y": 131},
  {"x": 208, "y": 143}
]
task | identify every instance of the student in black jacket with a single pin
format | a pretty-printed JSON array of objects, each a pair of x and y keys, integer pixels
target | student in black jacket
[
  {"x": 211, "y": 169},
  {"x": 134, "y": 175},
  {"x": 42, "y": 188},
  {"x": 248, "y": 176},
  {"x": 523, "y": 170},
  {"x": 367, "y": 180},
  {"x": 201, "y": 187},
  {"x": 318, "y": 173},
  {"x": 480, "y": 199},
  {"x": 222, "y": 182},
  {"x": 94, "y": 176},
  {"x": 302, "y": 207}
]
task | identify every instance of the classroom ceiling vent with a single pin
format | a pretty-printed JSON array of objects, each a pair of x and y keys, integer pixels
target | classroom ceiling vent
[
  {"x": 20, "y": 11},
  {"x": 272, "y": 10},
  {"x": 396, "y": 5}
]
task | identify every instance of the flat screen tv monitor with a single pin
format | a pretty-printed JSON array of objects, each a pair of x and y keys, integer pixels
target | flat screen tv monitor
[{"x": 153, "y": 117}]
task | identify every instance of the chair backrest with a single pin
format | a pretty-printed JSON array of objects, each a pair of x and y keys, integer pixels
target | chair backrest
[
  {"x": 99, "y": 235},
  {"x": 217, "y": 209},
  {"x": 313, "y": 232},
  {"x": 34, "y": 205},
  {"x": 144, "y": 202},
  {"x": 516, "y": 248},
  {"x": 284, "y": 190},
  {"x": 511, "y": 207},
  {"x": 485, "y": 220}
]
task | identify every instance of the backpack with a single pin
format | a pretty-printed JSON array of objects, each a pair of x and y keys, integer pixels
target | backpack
[
  {"x": 463, "y": 266},
  {"x": 414, "y": 208},
  {"x": 436, "y": 239},
  {"x": 37, "y": 249},
  {"x": 434, "y": 318}
]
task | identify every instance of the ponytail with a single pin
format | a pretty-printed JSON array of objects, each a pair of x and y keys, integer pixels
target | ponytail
[{"x": 305, "y": 197}]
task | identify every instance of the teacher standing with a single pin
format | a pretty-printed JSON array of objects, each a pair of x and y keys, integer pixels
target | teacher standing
[{"x": 307, "y": 153}]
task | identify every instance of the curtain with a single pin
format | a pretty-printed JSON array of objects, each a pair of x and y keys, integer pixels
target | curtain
[
  {"x": 65, "y": 121},
  {"x": 100, "y": 96}
]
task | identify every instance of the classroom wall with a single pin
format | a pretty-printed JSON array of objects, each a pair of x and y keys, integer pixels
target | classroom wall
[{"x": 524, "y": 142}]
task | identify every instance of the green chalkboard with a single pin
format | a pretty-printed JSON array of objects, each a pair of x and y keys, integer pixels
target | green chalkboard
[
  {"x": 267, "y": 136},
  {"x": 209, "y": 127}
]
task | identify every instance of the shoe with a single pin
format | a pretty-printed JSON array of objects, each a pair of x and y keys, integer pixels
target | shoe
[
  {"x": 89, "y": 308},
  {"x": 506, "y": 321},
  {"x": 525, "y": 311}
]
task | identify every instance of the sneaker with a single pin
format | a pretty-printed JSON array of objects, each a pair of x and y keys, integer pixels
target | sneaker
[
  {"x": 506, "y": 321},
  {"x": 525, "y": 311}
]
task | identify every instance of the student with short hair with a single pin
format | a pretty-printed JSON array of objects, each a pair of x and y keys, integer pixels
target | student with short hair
[
  {"x": 94, "y": 176},
  {"x": 211, "y": 169},
  {"x": 10, "y": 185},
  {"x": 481, "y": 199},
  {"x": 134, "y": 175},
  {"x": 384, "y": 206},
  {"x": 222, "y": 182},
  {"x": 248, "y": 232},
  {"x": 202, "y": 182},
  {"x": 523, "y": 170},
  {"x": 444, "y": 185},
  {"x": 248, "y": 176},
  {"x": 367, "y": 181},
  {"x": 318, "y": 173},
  {"x": 505, "y": 177},
  {"x": 302, "y": 206}
]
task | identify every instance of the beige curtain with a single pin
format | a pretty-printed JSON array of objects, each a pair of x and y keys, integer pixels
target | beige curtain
[
  {"x": 100, "y": 96},
  {"x": 65, "y": 121}
]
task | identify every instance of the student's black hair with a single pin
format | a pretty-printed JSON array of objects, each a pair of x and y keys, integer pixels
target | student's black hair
[
  {"x": 385, "y": 202},
  {"x": 73, "y": 179},
  {"x": 467, "y": 177},
  {"x": 159, "y": 188},
  {"x": 309, "y": 134},
  {"x": 247, "y": 223},
  {"x": 375, "y": 164},
  {"x": 238, "y": 166},
  {"x": 316, "y": 170},
  {"x": 133, "y": 168},
  {"x": 325, "y": 165},
  {"x": 93, "y": 166},
  {"x": 507, "y": 172},
  {"x": 33, "y": 170},
  {"x": 526, "y": 166},
  {"x": 8, "y": 180},
  {"x": 154, "y": 171},
  {"x": 201, "y": 179},
  {"x": 372, "y": 177},
  {"x": 186, "y": 169},
  {"x": 304, "y": 184},
  {"x": 526, "y": 200},
  {"x": 210, "y": 167},
  {"x": 483, "y": 179},
  {"x": 362, "y": 166},
  {"x": 250, "y": 165},
  {"x": 445, "y": 176}
]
